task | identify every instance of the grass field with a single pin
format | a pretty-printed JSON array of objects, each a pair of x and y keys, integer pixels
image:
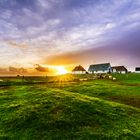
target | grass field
[{"x": 63, "y": 108}]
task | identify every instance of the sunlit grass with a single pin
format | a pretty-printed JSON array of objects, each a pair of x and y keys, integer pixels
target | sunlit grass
[
  {"x": 40, "y": 112},
  {"x": 63, "y": 107}
]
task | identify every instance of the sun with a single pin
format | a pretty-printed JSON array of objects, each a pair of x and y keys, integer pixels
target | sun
[{"x": 61, "y": 70}]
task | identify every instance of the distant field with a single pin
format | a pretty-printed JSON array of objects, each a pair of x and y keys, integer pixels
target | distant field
[
  {"x": 131, "y": 78},
  {"x": 119, "y": 91},
  {"x": 64, "y": 108}
]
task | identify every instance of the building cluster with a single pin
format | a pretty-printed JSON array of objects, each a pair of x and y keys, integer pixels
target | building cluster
[{"x": 102, "y": 68}]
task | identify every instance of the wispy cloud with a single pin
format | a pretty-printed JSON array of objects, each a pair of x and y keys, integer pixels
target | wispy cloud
[
  {"x": 41, "y": 68},
  {"x": 33, "y": 30},
  {"x": 17, "y": 44}
]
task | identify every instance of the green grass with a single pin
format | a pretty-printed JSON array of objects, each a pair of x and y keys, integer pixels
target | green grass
[
  {"x": 131, "y": 78},
  {"x": 109, "y": 90},
  {"x": 90, "y": 110}
]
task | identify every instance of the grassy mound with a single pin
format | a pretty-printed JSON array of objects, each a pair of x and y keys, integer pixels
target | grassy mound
[{"x": 37, "y": 112}]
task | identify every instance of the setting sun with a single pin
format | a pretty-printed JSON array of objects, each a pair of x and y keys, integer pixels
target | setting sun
[{"x": 61, "y": 70}]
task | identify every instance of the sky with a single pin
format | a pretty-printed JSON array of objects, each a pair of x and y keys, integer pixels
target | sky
[{"x": 40, "y": 33}]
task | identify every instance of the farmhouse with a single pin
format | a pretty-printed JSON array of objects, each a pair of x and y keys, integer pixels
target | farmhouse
[
  {"x": 119, "y": 69},
  {"x": 100, "y": 68},
  {"x": 79, "y": 70},
  {"x": 137, "y": 69}
]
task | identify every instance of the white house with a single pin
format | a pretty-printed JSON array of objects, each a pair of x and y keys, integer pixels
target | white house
[
  {"x": 79, "y": 70},
  {"x": 119, "y": 69},
  {"x": 137, "y": 69},
  {"x": 100, "y": 68}
]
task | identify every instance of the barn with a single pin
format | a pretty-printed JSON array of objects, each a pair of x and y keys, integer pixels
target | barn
[
  {"x": 119, "y": 69},
  {"x": 100, "y": 68},
  {"x": 79, "y": 70},
  {"x": 137, "y": 69}
]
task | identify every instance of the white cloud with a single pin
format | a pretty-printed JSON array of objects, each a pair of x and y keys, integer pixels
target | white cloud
[
  {"x": 45, "y": 4},
  {"x": 47, "y": 33}
]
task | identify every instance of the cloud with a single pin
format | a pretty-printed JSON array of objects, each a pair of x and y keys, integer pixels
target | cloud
[
  {"x": 16, "y": 44},
  {"x": 30, "y": 71},
  {"x": 13, "y": 71},
  {"x": 41, "y": 68},
  {"x": 17, "y": 70},
  {"x": 45, "y": 4},
  {"x": 120, "y": 52},
  {"x": 36, "y": 30}
]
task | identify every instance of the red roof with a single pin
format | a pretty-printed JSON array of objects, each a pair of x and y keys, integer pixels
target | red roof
[{"x": 79, "y": 68}]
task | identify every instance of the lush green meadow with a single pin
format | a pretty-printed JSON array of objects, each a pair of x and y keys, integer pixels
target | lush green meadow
[{"x": 65, "y": 108}]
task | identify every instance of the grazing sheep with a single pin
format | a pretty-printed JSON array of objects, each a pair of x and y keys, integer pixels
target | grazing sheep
[
  {"x": 80, "y": 79},
  {"x": 114, "y": 79},
  {"x": 110, "y": 77},
  {"x": 85, "y": 79},
  {"x": 104, "y": 76}
]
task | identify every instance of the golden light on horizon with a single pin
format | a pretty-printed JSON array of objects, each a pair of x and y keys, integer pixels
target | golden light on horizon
[{"x": 61, "y": 70}]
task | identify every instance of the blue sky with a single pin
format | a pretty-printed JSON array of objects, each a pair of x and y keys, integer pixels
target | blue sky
[{"x": 69, "y": 32}]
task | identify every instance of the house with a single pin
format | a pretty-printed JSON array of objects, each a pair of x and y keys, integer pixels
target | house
[
  {"x": 137, "y": 69},
  {"x": 100, "y": 68},
  {"x": 79, "y": 70},
  {"x": 119, "y": 69}
]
